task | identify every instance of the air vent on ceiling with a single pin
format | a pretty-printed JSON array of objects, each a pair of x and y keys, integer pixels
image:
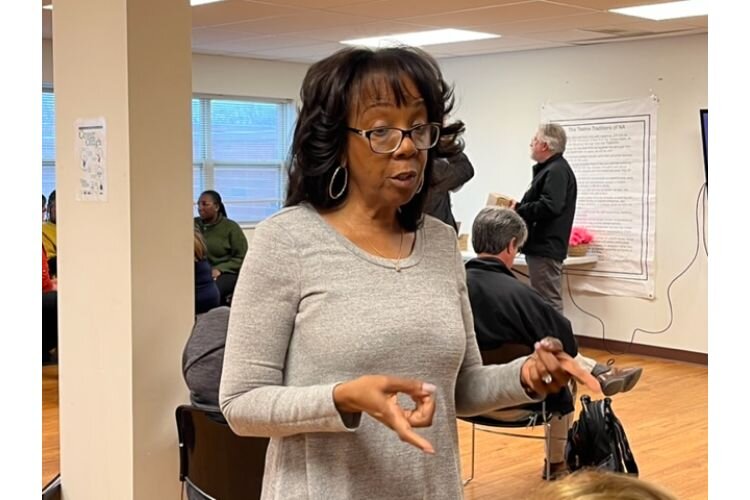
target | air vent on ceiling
[{"x": 617, "y": 34}]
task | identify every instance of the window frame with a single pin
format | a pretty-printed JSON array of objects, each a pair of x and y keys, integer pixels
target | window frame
[{"x": 287, "y": 116}]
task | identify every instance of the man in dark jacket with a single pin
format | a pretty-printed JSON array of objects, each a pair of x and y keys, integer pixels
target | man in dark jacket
[
  {"x": 506, "y": 311},
  {"x": 548, "y": 208},
  {"x": 448, "y": 175}
]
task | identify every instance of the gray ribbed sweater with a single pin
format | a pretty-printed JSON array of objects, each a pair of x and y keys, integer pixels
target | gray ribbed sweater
[{"x": 311, "y": 310}]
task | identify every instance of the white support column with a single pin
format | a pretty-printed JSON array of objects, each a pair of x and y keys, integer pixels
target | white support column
[{"x": 125, "y": 264}]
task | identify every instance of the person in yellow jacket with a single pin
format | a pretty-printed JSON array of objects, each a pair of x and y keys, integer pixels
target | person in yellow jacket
[{"x": 49, "y": 234}]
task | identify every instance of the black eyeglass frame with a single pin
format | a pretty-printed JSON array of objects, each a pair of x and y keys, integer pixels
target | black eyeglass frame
[{"x": 404, "y": 132}]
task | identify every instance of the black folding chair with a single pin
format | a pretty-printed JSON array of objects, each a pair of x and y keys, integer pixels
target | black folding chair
[
  {"x": 539, "y": 413},
  {"x": 214, "y": 461}
]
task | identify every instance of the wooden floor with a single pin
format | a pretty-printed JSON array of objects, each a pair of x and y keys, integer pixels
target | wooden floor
[
  {"x": 50, "y": 425},
  {"x": 665, "y": 417}
]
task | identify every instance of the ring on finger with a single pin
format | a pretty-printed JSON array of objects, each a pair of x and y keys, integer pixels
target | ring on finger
[{"x": 547, "y": 378}]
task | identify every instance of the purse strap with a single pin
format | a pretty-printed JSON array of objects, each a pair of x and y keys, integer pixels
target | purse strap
[{"x": 623, "y": 446}]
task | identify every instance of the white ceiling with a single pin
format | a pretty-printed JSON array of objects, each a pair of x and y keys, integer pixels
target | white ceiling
[{"x": 308, "y": 30}]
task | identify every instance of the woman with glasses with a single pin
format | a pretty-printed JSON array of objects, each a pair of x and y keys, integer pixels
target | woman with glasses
[{"x": 350, "y": 339}]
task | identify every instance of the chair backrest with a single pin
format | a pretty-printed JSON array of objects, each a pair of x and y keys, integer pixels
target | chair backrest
[{"x": 216, "y": 460}]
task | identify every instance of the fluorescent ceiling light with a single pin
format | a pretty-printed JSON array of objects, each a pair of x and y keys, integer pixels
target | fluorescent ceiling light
[
  {"x": 664, "y": 11},
  {"x": 193, "y": 3},
  {"x": 421, "y": 38}
]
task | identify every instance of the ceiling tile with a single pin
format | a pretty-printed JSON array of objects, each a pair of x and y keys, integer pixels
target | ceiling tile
[
  {"x": 317, "y": 51},
  {"x": 503, "y": 14},
  {"x": 232, "y": 11},
  {"x": 555, "y": 24},
  {"x": 307, "y": 30},
  {"x": 657, "y": 26},
  {"x": 569, "y": 36},
  {"x": 498, "y": 43},
  {"x": 349, "y": 31},
  {"x": 207, "y": 36},
  {"x": 260, "y": 43},
  {"x": 533, "y": 45},
  {"x": 298, "y": 23},
  {"x": 605, "y": 5},
  {"x": 398, "y": 9},
  {"x": 316, "y": 4}
]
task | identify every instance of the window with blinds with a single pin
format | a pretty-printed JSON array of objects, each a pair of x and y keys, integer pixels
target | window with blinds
[
  {"x": 48, "y": 141},
  {"x": 239, "y": 149}
]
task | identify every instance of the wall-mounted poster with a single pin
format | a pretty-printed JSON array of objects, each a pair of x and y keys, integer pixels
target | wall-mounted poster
[
  {"x": 612, "y": 150},
  {"x": 91, "y": 159}
]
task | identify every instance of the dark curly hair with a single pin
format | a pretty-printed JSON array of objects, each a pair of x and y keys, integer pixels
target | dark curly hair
[{"x": 331, "y": 89}]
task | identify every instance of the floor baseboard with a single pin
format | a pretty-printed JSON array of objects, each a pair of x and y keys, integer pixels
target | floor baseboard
[{"x": 619, "y": 346}]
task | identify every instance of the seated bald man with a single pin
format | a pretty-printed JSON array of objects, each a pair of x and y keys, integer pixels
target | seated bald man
[{"x": 507, "y": 311}]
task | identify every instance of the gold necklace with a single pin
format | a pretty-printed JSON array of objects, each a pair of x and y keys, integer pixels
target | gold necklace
[{"x": 400, "y": 246}]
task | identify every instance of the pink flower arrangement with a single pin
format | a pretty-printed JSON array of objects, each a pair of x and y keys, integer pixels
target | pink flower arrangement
[{"x": 580, "y": 236}]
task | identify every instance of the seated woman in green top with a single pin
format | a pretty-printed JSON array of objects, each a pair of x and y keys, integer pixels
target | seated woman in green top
[{"x": 225, "y": 241}]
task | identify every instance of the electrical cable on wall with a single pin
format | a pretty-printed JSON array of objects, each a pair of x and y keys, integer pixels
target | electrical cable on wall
[
  {"x": 701, "y": 195},
  {"x": 703, "y": 228}
]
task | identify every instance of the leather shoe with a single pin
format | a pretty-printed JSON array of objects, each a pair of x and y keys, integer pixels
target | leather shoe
[{"x": 613, "y": 379}]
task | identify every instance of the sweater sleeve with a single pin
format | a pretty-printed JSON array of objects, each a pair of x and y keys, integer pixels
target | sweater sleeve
[
  {"x": 482, "y": 388},
  {"x": 252, "y": 395},
  {"x": 238, "y": 245},
  {"x": 551, "y": 200}
]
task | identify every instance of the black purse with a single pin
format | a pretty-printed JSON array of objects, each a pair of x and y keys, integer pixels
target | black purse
[{"x": 597, "y": 440}]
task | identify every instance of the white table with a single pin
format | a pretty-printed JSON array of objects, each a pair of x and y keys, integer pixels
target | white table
[{"x": 520, "y": 260}]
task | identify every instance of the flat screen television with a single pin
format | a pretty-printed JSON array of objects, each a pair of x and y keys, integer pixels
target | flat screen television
[{"x": 704, "y": 134}]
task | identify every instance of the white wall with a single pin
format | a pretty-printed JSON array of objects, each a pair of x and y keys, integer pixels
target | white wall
[
  {"x": 46, "y": 61},
  {"x": 499, "y": 97},
  {"x": 236, "y": 76}
]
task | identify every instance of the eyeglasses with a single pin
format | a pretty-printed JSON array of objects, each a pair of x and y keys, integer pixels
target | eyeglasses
[{"x": 385, "y": 140}]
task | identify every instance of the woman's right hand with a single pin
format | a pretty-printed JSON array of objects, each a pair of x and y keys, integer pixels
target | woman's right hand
[
  {"x": 549, "y": 368},
  {"x": 376, "y": 395}
]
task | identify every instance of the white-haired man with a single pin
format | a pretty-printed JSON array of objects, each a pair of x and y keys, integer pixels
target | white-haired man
[{"x": 548, "y": 208}]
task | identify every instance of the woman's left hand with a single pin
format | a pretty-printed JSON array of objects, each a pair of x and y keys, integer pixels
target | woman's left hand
[
  {"x": 215, "y": 273},
  {"x": 549, "y": 369}
]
